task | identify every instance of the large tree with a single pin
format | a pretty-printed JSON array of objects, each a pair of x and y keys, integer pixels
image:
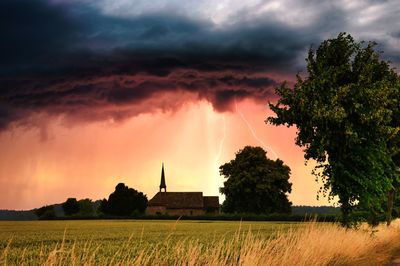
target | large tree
[
  {"x": 255, "y": 184},
  {"x": 124, "y": 201},
  {"x": 394, "y": 148},
  {"x": 344, "y": 114}
]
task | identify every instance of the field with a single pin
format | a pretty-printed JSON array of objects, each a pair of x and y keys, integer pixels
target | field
[
  {"x": 36, "y": 239},
  {"x": 133, "y": 242}
]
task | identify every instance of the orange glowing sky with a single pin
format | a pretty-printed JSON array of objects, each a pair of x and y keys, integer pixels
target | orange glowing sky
[
  {"x": 88, "y": 160},
  {"x": 93, "y": 93}
]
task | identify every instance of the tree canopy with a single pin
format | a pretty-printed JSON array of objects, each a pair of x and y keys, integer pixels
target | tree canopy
[
  {"x": 124, "y": 201},
  {"x": 86, "y": 207},
  {"x": 255, "y": 184},
  {"x": 71, "y": 206},
  {"x": 45, "y": 213},
  {"x": 345, "y": 113}
]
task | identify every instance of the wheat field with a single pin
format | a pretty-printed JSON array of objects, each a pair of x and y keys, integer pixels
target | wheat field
[{"x": 193, "y": 243}]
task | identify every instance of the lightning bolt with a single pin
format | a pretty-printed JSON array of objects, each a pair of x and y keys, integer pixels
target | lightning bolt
[
  {"x": 218, "y": 156},
  {"x": 221, "y": 142},
  {"x": 254, "y": 133}
]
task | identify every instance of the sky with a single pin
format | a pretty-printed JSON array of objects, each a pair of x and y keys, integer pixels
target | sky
[{"x": 93, "y": 93}]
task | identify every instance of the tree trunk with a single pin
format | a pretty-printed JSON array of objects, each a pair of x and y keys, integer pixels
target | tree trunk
[
  {"x": 345, "y": 208},
  {"x": 390, "y": 207}
]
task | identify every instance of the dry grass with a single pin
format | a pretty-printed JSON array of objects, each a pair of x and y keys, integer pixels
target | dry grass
[{"x": 313, "y": 244}]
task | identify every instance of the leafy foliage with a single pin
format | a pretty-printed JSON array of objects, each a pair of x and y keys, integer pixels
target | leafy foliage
[
  {"x": 124, "y": 201},
  {"x": 71, "y": 206},
  {"x": 86, "y": 207},
  {"x": 45, "y": 213},
  {"x": 255, "y": 184},
  {"x": 345, "y": 113}
]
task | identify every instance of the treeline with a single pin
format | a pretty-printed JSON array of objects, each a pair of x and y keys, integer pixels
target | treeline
[
  {"x": 71, "y": 207},
  {"x": 93, "y": 210},
  {"x": 123, "y": 202},
  {"x": 88, "y": 209},
  {"x": 13, "y": 215}
]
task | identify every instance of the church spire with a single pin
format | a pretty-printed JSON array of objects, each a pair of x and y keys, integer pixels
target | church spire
[{"x": 163, "y": 184}]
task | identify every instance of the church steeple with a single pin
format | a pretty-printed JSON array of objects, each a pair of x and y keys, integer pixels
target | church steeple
[{"x": 163, "y": 184}]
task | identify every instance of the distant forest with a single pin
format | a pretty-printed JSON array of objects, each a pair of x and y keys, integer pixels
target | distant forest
[
  {"x": 17, "y": 215},
  {"x": 30, "y": 215}
]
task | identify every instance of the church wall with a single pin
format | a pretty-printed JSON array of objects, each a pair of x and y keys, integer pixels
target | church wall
[
  {"x": 161, "y": 210},
  {"x": 186, "y": 212},
  {"x": 155, "y": 210},
  {"x": 212, "y": 211}
]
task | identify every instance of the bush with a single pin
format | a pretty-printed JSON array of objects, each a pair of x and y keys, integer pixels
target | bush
[{"x": 46, "y": 213}]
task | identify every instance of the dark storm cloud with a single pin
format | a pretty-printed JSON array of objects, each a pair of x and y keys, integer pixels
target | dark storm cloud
[
  {"x": 39, "y": 35},
  {"x": 55, "y": 55},
  {"x": 88, "y": 95},
  {"x": 71, "y": 58},
  {"x": 249, "y": 82},
  {"x": 30, "y": 30}
]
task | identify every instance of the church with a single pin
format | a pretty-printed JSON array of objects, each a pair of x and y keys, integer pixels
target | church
[{"x": 181, "y": 203}]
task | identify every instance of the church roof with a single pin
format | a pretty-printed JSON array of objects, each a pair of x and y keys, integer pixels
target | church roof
[{"x": 178, "y": 200}]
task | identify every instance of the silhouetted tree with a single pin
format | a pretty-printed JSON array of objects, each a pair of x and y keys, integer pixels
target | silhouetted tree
[
  {"x": 124, "y": 201},
  {"x": 255, "y": 184},
  {"x": 46, "y": 212},
  {"x": 71, "y": 206},
  {"x": 103, "y": 206},
  {"x": 86, "y": 207}
]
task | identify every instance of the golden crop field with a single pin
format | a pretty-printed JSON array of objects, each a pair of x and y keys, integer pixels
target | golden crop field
[
  {"x": 143, "y": 242},
  {"x": 35, "y": 239}
]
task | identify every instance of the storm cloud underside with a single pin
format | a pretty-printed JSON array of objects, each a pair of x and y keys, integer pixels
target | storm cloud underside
[{"x": 100, "y": 61}]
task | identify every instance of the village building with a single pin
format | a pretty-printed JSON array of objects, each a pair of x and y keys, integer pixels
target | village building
[{"x": 181, "y": 203}]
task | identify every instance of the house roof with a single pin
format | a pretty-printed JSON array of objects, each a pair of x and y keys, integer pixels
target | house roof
[
  {"x": 178, "y": 200},
  {"x": 211, "y": 202}
]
